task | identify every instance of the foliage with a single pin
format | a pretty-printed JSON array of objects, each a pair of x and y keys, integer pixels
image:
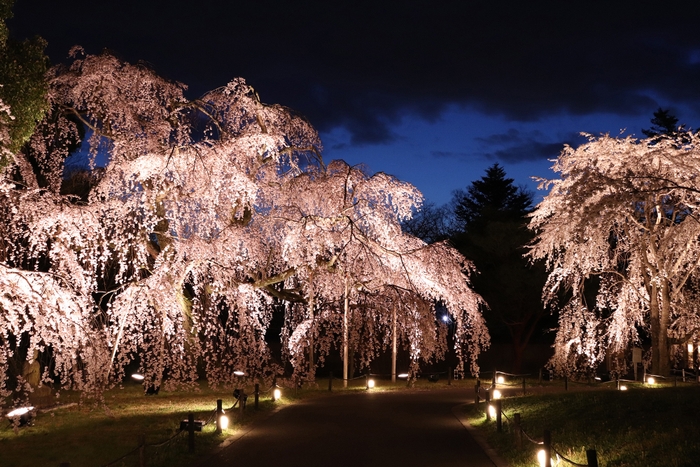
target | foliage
[
  {"x": 493, "y": 235},
  {"x": 208, "y": 215},
  {"x": 23, "y": 66},
  {"x": 624, "y": 213}
]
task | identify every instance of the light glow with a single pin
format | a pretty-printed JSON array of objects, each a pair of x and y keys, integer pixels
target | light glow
[
  {"x": 223, "y": 422},
  {"x": 497, "y": 394},
  {"x": 500, "y": 380},
  {"x": 239, "y": 373},
  {"x": 541, "y": 458},
  {"x": 623, "y": 388},
  {"x": 492, "y": 411},
  {"x": 690, "y": 348},
  {"x": 403, "y": 375},
  {"x": 276, "y": 394},
  {"x": 137, "y": 377},
  {"x": 651, "y": 380},
  {"x": 19, "y": 412},
  {"x": 370, "y": 384}
]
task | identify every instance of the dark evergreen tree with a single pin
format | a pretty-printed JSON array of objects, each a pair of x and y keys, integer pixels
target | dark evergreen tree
[
  {"x": 492, "y": 215},
  {"x": 665, "y": 125},
  {"x": 494, "y": 197}
]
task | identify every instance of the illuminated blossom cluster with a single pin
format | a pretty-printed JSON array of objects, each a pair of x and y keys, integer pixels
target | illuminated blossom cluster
[
  {"x": 209, "y": 216},
  {"x": 621, "y": 236}
]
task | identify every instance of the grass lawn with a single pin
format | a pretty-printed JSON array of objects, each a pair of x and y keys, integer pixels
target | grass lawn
[
  {"x": 90, "y": 435},
  {"x": 644, "y": 426}
]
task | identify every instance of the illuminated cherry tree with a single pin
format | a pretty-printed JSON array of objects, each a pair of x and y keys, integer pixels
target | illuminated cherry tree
[
  {"x": 620, "y": 233},
  {"x": 208, "y": 215}
]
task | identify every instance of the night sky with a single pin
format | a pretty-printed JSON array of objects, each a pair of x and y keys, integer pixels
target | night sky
[{"x": 432, "y": 92}]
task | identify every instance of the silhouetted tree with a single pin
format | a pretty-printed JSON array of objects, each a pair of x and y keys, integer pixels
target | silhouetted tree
[
  {"x": 665, "y": 125},
  {"x": 493, "y": 214}
]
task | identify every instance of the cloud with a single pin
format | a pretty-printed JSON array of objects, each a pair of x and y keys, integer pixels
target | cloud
[
  {"x": 362, "y": 64},
  {"x": 517, "y": 146}
]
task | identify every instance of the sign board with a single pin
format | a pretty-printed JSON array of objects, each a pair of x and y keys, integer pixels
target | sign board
[{"x": 636, "y": 355}]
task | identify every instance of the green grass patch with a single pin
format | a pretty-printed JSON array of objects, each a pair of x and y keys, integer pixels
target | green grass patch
[{"x": 641, "y": 427}]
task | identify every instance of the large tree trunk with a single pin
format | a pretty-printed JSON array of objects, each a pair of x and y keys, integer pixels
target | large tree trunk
[{"x": 660, "y": 314}]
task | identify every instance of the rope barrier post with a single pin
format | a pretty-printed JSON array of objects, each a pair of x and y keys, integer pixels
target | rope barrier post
[
  {"x": 518, "y": 431},
  {"x": 493, "y": 380},
  {"x": 524, "y": 391},
  {"x": 683, "y": 374},
  {"x": 499, "y": 421},
  {"x": 367, "y": 380},
  {"x": 477, "y": 387},
  {"x": 488, "y": 400},
  {"x": 547, "y": 446},
  {"x": 592, "y": 457},
  {"x": 257, "y": 395},
  {"x": 219, "y": 410},
  {"x": 330, "y": 381},
  {"x": 540, "y": 379},
  {"x": 142, "y": 450},
  {"x": 190, "y": 431}
]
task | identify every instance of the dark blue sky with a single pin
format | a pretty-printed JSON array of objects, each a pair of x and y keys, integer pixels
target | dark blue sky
[{"x": 432, "y": 92}]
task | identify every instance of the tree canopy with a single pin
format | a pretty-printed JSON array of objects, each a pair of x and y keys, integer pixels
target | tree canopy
[
  {"x": 623, "y": 212},
  {"x": 209, "y": 214}
]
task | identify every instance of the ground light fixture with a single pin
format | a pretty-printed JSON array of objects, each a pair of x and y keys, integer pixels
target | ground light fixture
[
  {"x": 541, "y": 458},
  {"x": 623, "y": 388},
  {"x": 370, "y": 383},
  {"x": 402, "y": 375},
  {"x": 239, "y": 373},
  {"x": 137, "y": 377},
  {"x": 651, "y": 380},
  {"x": 276, "y": 394},
  {"x": 497, "y": 394},
  {"x": 500, "y": 380},
  {"x": 223, "y": 421},
  {"x": 492, "y": 411},
  {"x": 24, "y": 416}
]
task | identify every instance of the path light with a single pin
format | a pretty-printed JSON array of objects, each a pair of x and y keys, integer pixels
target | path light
[
  {"x": 623, "y": 388},
  {"x": 541, "y": 458},
  {"x": 496, "y": 394},
  {"x": 492, "y": 411},
  {"x": 239, "y": 373},
  {"x": 370, "y": 384},
  {"x": 137, "y": 377},
  {"x": 223, "y": 421},
  {"x": 276, "y": 394},
  {"x": 651, "y": 380},
  {"x": 403, "y": 375},
  {"x": 500, "y": 380}
]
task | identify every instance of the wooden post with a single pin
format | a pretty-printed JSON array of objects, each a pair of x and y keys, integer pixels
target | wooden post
[
  {"x": 219, "y": 410},
  {"x": 449, "y": 375},
  {"x": 547, "y": 446},
  {"x": 257, "y": 395},
  {"x": 367, "y": 380},
  {"x": 518, "y": 431},
  {"x": 142, "y": 450},
  {"x": 190, "y": 430},
  {"x": 540, "y": 375},
  {"x": 592, "y": 458},
  {"x": 493, "y": 380},
  {"x": 477, "y": 388},
  {"x": 330, "y": 381},
  {"x": 488, "y": 401},
  {"x": 499, "y": 421}
]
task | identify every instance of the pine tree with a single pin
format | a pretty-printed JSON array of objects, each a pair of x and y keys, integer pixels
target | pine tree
[{"x": 492, "y": 215}]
